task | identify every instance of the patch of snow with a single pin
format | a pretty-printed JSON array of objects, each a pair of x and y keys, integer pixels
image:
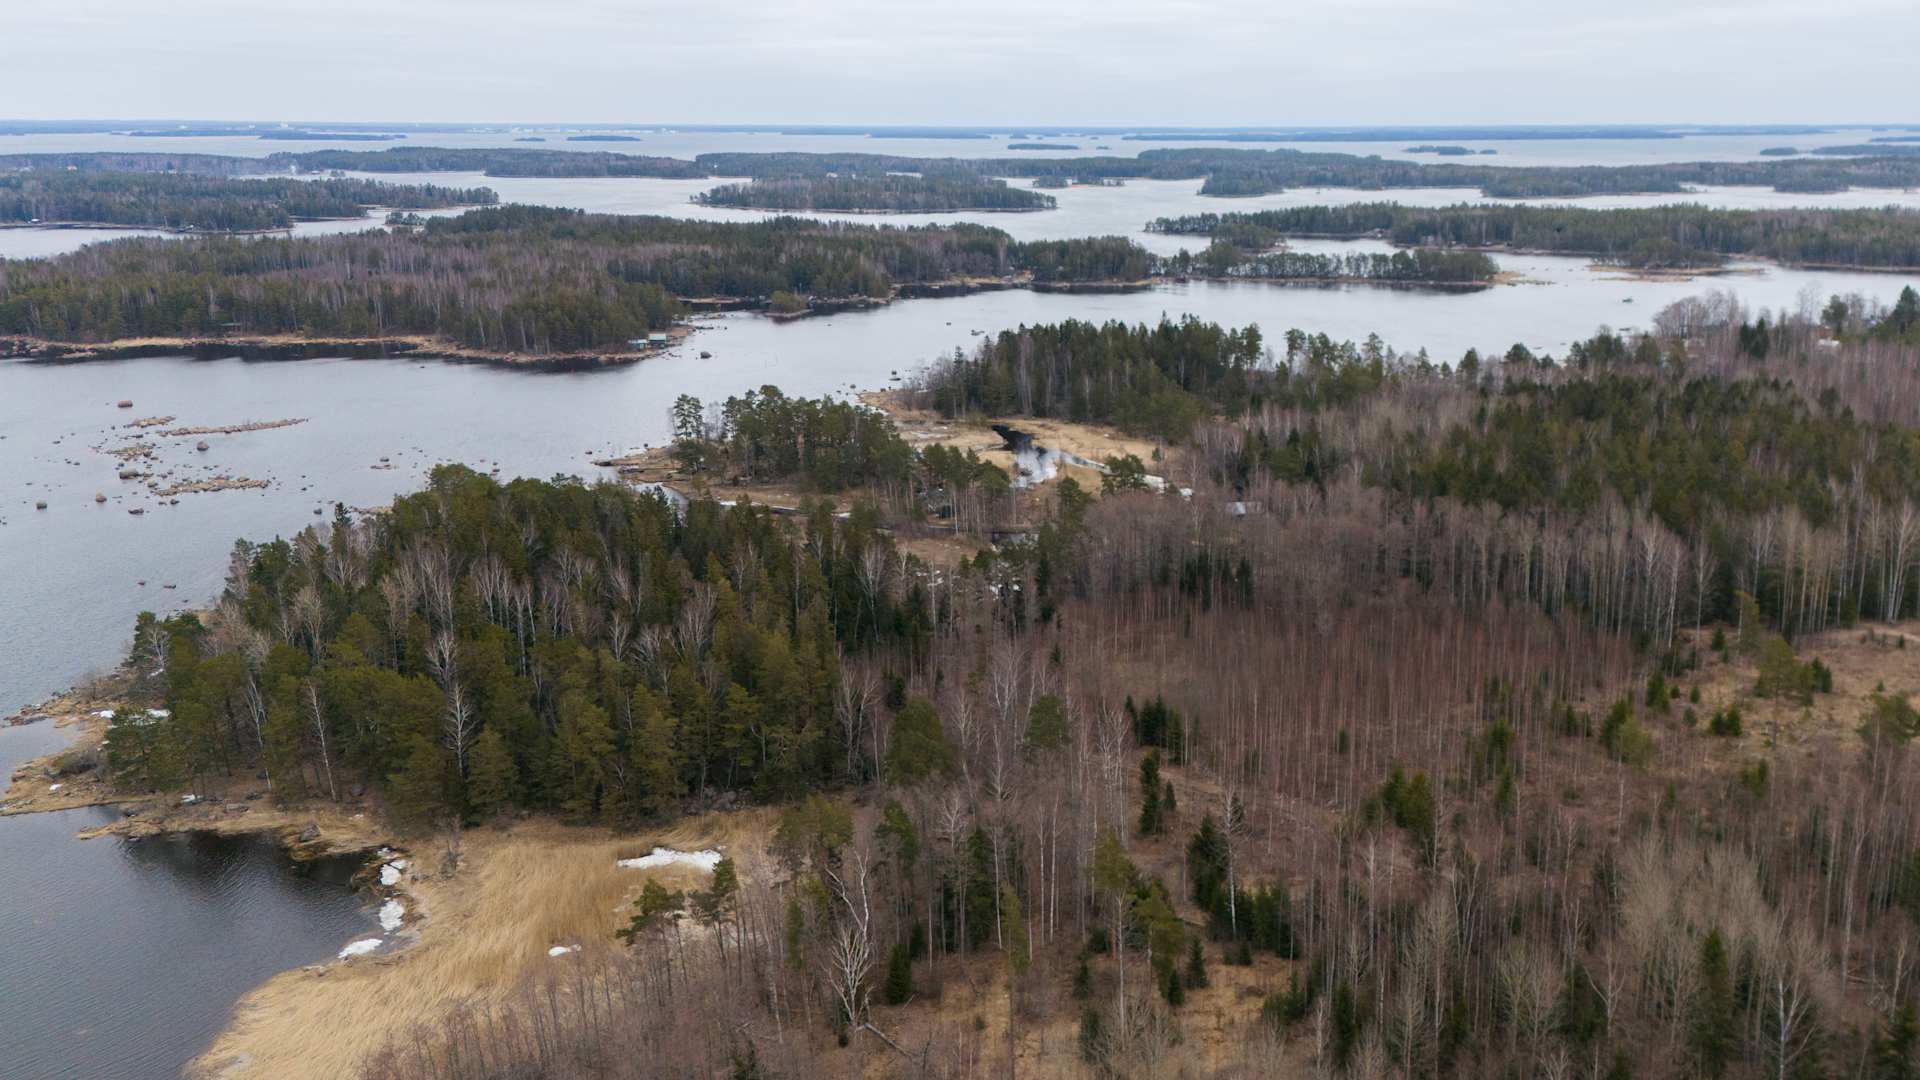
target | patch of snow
[
  {"x": 705, "y": 860},
  {"x": 390, "y": 873},
  {"x": 189, "y": 799},
  {"x": 562, "y": 950},
  {"x": 391, "y": 913},
  {"x": 359, "y": 948},
  {"x": 159, "y": 714},
  {"x": 105, "y": 714},
  {"x": 51, "y": 788}
]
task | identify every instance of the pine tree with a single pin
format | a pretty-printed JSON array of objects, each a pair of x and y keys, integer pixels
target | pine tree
[
  {"x": 491, "y": 775},
  {"x": 1046, "y": 726},
  {"x": 920, "y": 748}
]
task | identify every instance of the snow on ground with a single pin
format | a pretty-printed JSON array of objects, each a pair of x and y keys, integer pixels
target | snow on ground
[
  {"x": 51, "y": 788},
  {"x": 391, "y": 913},
  {"x": 562, "y": 950},
  {"x": 705, "y": 860},
  {"x": 390, "y": 873},
  {"x": 359, "y": 948}
]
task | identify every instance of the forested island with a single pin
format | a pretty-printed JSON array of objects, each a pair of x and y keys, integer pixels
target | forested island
[
  {"x": 503, "y": 161},
  {"x": 180, "y": 201},
  {"x": 1416, "y": 266},
  {"x": 581, "y": 286},
  {"x": 1646, "y": 237},
  {"x": 1224, "y": 172},
  {"x": 511, "y": 281},
  {"x": 899, "y": 193},
  {"x": 1465, "y": 717}
]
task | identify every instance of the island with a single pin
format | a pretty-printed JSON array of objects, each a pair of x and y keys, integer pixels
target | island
[
  {"x": 193, "y": 203},
  {"x": 1224, "y": 172},
  {"x": 592, "y": 289},
  {"x": 1659, "y": 237},
  {"x": 897, "y": 193}
]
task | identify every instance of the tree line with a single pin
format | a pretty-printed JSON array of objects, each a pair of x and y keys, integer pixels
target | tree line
[
  {"x": 512, "y": 279},
  {"x": 1654, "y": 237},
  {"x": 1160, "y": 379},
  {"x": 1425, "y": 266},
  {"x": 894, "y": 192},
  {"x": 546, "y": 645},
  {"x": 182, "y": 201},
  {"x": 1225, "y": 172}
]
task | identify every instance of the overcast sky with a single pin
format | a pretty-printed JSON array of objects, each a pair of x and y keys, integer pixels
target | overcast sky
[{"x": 1194, "y": 62}]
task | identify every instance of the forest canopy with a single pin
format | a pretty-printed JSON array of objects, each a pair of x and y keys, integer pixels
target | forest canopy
[
  {"x": 182, "y": 201},
  {"x": 516, "y": 278},
  {"x": 1655, "y": 236},
  {"x": 894, "y": 192},
  {"x": 1225, "y": 171}
]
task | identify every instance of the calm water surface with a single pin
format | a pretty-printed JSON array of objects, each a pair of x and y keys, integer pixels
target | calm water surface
[
  {"x": 122, "y": 959},
  {"x": 1081, "y": 211},
  {"x": 666, "y": 142},
  {"x": 75, "y": 569}
]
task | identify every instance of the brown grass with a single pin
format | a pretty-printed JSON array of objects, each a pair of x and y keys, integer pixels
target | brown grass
[{"x": 487, "y": 929}]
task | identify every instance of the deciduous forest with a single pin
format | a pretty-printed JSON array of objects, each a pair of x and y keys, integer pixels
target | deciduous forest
[{"x": 1518, "y": 715}]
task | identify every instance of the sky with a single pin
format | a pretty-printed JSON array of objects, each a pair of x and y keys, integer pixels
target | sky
[{"x": 1092, "y": 62}]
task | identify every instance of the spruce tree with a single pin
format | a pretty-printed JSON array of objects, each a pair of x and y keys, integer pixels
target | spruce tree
[
  {"x": 1196, "y": 965},
  {"x": 1150, "y": 808},
  {"x": 1715, "y": 1027},
  {"x": 1894, "y": 1038},
  {"x": 898, "y": 989}
]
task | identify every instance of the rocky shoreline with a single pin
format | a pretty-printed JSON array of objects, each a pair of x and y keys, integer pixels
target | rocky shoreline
[{"x": 295, "y": 347}]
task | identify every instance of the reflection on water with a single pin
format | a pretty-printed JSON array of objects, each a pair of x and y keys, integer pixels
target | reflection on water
[{"x": 123, "y": 958}]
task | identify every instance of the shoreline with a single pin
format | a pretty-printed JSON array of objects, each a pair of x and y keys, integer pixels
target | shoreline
[
  {"x": 472, "y": 929},
  {"x": 1593, "y": 256},
  {"x": 372, "y": 213},
  {"x": 279, "y": 347},
  {"x": 300, "y": 347}
]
